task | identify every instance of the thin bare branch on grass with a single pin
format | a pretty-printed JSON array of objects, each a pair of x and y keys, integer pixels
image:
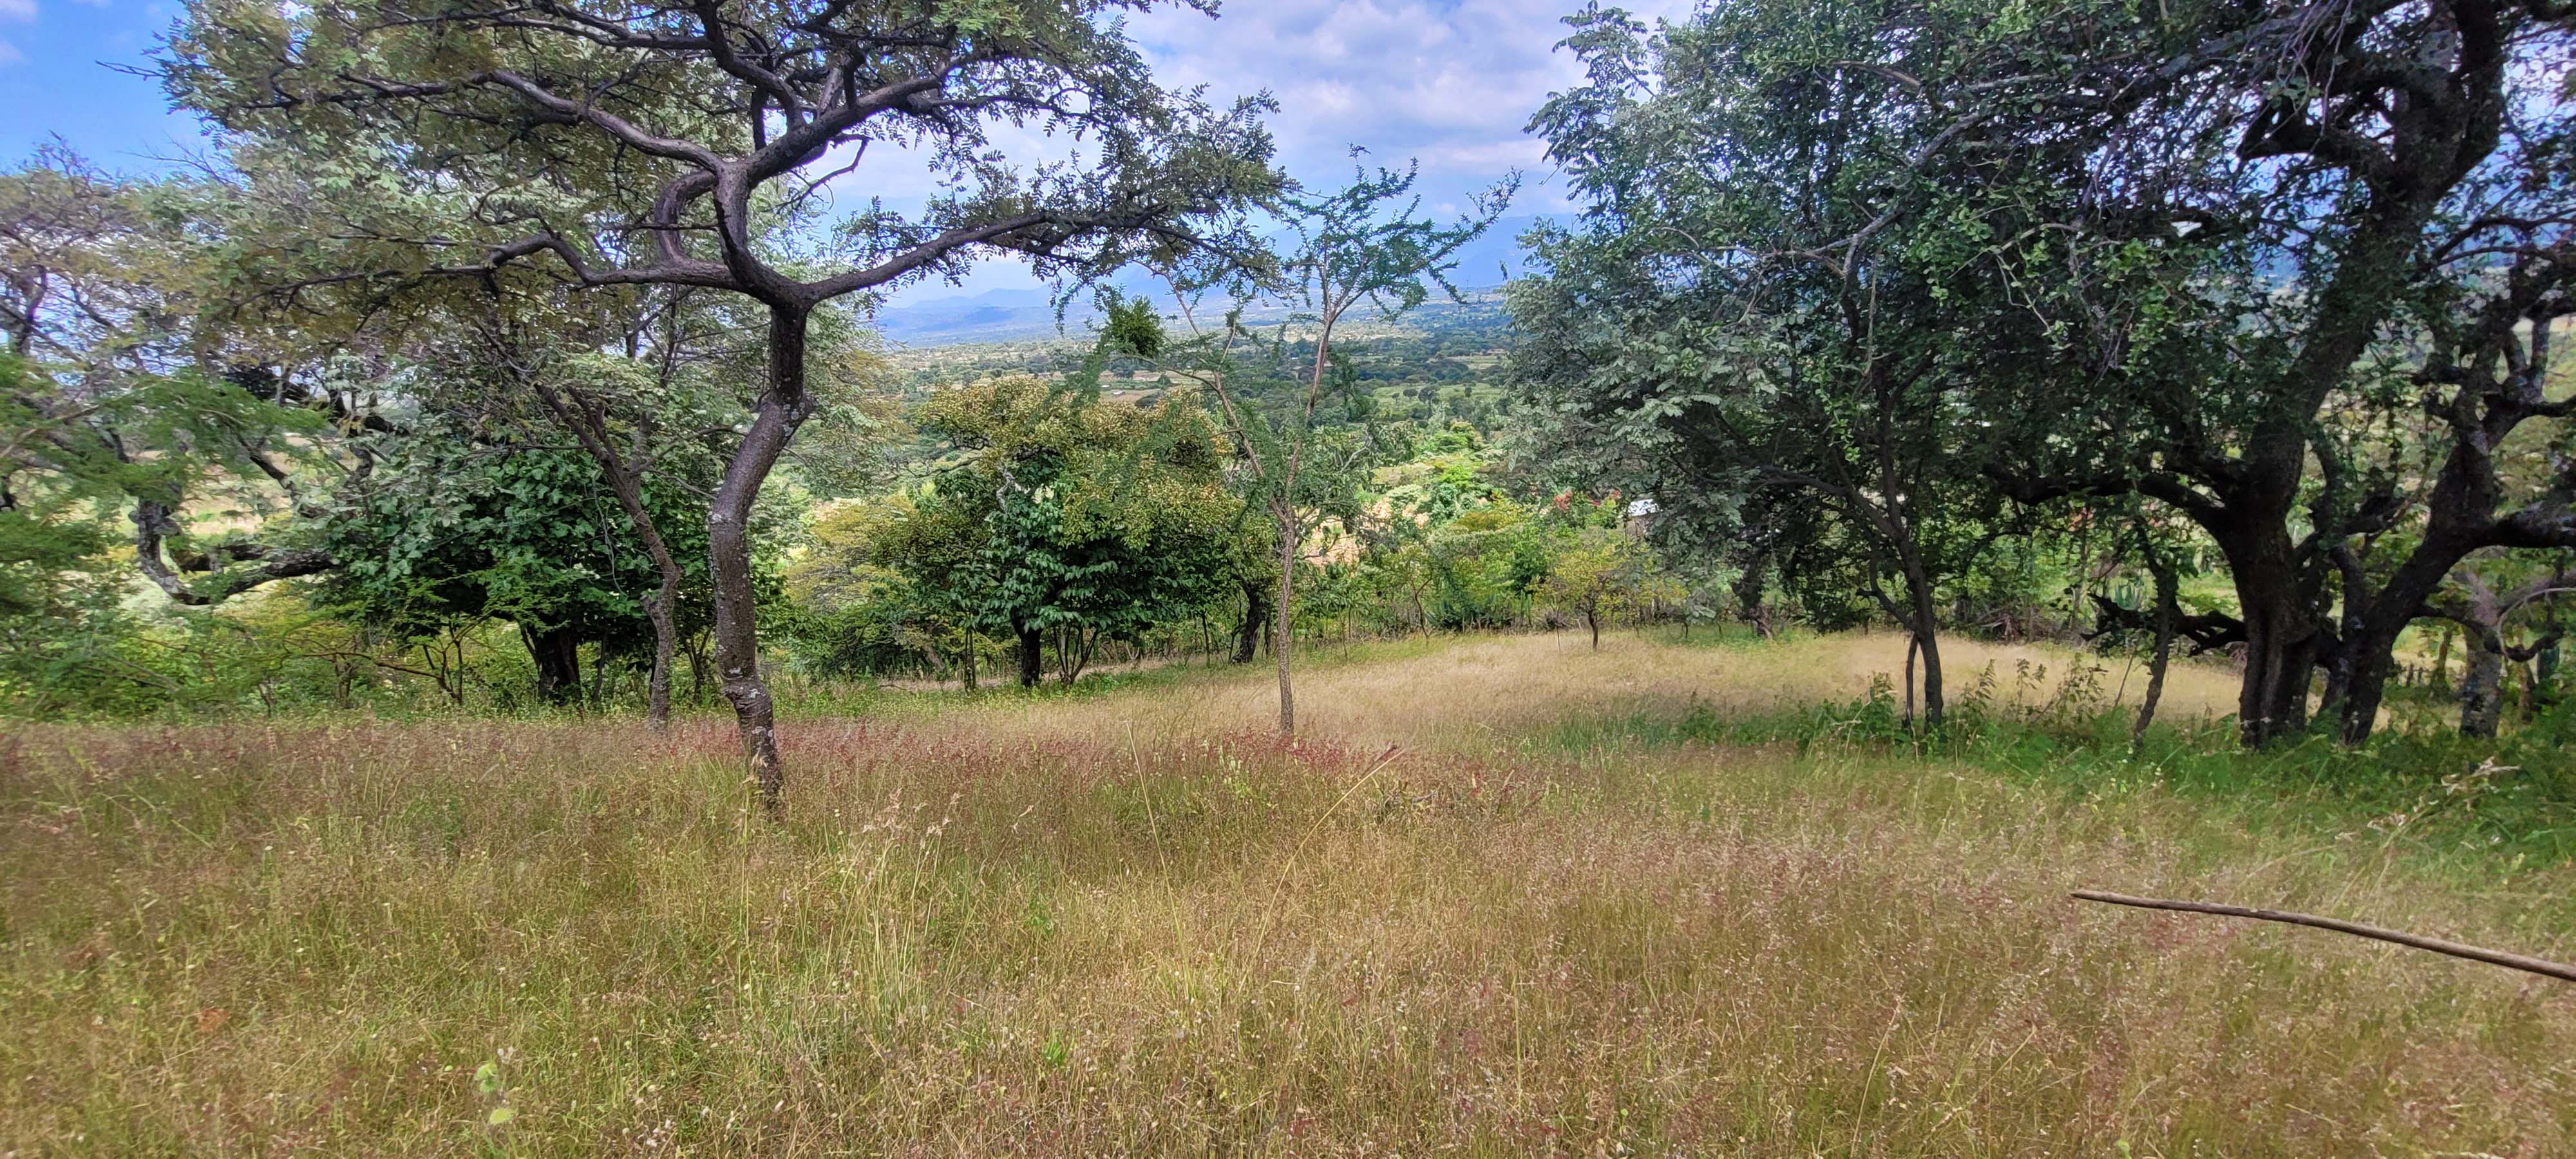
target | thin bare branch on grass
[{"x": 2503, "y": 958}]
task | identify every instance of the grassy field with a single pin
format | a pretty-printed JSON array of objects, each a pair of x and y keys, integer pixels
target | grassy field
[{"x": 1490, "y": 905}]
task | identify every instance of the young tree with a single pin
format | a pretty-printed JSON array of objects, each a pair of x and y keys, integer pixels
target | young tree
[
  {"x": 1363, "y": 246},
  {"x": 678, "y": 136},
  {"x": 1602, "y": 571}
]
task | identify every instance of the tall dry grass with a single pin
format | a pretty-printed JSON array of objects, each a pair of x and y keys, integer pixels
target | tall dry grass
[
  {"x": 1129, "y": 924},
  {"x": 1473, "y": 692}
]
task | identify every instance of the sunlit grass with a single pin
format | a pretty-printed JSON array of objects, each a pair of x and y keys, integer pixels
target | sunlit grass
[{"x": 1128, "y": 922}]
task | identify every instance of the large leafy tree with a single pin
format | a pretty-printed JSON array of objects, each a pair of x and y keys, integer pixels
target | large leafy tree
[
  {"x": 462, "y": 522},
  {"x": 1764, "y": 307},
  {"x": 621, "y": 145},
  {"x": 2176, "y": 252},
  {"x": 2375, "y": 206},
  {"x": 1055, "y": 512}
]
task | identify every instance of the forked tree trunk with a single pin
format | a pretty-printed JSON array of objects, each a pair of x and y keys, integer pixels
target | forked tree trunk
[
  {"x": 782, "y": 408},
  {"x": 2280, "y": 631},
  {"x": 1925, "y": 625},
  {"x": 1256, "y": 618}
]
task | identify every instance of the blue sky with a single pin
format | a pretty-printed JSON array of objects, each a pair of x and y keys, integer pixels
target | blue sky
[{"x": 1451, "y": 83}]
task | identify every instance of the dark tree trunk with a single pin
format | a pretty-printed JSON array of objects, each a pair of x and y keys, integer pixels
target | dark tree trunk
[
  {"x": 782, "y": 408},
  {"x": 2168, "y": 611},
  {"x": 1032, "y": 647},
  {"x": 1256, "y": 616},
  {"x": 1747, "y": 590},
  {"x": 966, "y": 665},
  {"x": 1924, "y": 623},
  {"x": 557, "y": 652},
  {"x": 1072, "y": 654},
  {"x": 2369, "y": 658},
  {"x": 2281, "y": 633}
]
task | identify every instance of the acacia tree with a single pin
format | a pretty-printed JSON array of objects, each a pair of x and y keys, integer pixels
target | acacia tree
[
  {"x": 121, "y": 392},
  {"x": 1364, "y": 246},
  {"x": 675, "y": 134},
  {"x": 1601, "y": 571}
]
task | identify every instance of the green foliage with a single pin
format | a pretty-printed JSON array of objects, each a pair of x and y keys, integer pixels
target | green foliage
[
  {"x": 1752, "y": 302},
  {"x": 1052, "y": 512},
  {"x": 454, "y": 526},
  {"x": 2500, "y": 803},
  {"x": 1602, "y": 573}
]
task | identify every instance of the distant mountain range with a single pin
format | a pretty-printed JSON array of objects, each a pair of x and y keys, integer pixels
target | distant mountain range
[{"x": 1023, "y": 315}]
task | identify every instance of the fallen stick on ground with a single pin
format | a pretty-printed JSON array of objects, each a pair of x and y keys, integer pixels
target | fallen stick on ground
[{"x": 2437, "y": 945}]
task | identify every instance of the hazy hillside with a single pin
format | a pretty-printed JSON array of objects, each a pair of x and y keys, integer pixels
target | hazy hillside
[{"x": 1021, "y": 315}]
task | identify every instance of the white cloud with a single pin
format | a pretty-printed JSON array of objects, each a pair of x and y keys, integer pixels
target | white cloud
[
  {"x": 9, "y": 54},
  {"x": 1453, "y": 83},
  {"x": 1450, "y": 83},
  {"x": 24, "y": 10}
]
